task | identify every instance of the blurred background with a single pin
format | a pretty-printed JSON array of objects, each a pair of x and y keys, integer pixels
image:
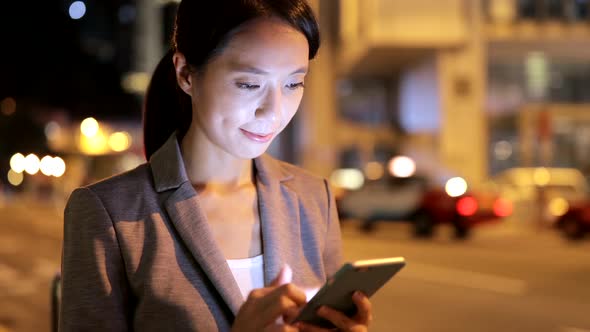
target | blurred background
[{"x": 455, "y": 133}]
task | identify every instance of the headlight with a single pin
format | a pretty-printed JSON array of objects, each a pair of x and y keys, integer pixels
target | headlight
[
  {"x": 456, "y": 187},
  {"x": 402, "y": 167},
  {"x": 558, "y": 207}
]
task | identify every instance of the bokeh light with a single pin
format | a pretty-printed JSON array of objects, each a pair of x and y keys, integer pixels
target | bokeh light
[
  {"x": 59, "y": 167},
  {"x": 17, "y": 163},
  {"x": 77, "y": 10},
  {"x": 502, "y": 207},
  {"x": 503, "y": 150},
  {"x": 95, "y": 145},
  {"x": 47, "y": 165},
  {"x": 456, "y": 187},
  {"x": 8, "y": 106},
  {"x": 52, "y": 130},
  {"x": 32, "y": 164},
  {"x": 402, "y": 167},
  {"x": 467, "y": 206},
  {"x": 120, "y": 141},
  {"x": 135, "y": 82},
  {"x": 347, "y": 178},
  {"x": 541, "y": 177},
  {"x": 15, "y": 178},
  {"x": 89, "y": 127},
  {"x": 558, "y": 207}
]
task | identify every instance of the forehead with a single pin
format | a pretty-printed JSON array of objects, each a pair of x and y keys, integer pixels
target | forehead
[{"x": 266, "y": 43}]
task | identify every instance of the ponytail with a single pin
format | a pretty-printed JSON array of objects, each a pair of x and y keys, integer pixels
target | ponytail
[{"x": 166, "y": 108}]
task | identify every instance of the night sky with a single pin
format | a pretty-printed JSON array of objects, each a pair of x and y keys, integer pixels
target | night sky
[
  {"x": 50, "y": 60},
  {"x": 51, "y": 64}
]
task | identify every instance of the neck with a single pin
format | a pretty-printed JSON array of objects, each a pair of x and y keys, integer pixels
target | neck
[{"x": 209, "y": 166}]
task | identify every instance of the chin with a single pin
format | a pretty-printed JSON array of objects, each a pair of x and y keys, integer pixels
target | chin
[{"x": 251, "y": 152}]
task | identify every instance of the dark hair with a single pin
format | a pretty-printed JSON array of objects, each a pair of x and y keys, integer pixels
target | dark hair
[{"x": 202, "y": 30}]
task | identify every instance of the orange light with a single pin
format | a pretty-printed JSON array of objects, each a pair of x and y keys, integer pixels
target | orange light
[
  {"x": 467, "y": 206},
  {"x": 502, "y": 207}
]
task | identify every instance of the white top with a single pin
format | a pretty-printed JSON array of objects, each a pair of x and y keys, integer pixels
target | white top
[{"x": 248, "y": 272}]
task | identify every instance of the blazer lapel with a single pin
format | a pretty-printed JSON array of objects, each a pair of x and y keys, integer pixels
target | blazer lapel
[
  {"x": 189, "y": 221},
  {"x": 192, "y": 225},
  {"x": 279, "y": 216}
]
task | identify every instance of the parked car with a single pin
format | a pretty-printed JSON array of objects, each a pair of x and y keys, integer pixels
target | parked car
[
  {"x": 575, "y": 223},
  {"x": 426, "y": 205},
  {"x": 541, "y": 194}
]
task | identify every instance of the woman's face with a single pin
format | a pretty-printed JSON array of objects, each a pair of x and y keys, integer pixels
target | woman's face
[{"x": 248, "y": 94}]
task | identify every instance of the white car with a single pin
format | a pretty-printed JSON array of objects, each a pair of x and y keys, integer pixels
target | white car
[{"x": 540, "y": 194}]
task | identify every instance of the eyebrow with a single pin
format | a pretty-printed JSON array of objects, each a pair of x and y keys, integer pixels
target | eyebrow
[{"x": 243, "y": 68}]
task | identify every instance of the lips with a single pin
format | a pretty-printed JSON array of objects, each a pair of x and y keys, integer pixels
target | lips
[{"x": 259, "y": 138}]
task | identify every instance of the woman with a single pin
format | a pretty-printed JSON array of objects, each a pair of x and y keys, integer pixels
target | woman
[{"x": 211, "y": 233}]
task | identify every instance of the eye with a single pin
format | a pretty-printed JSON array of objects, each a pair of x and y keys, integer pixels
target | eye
[
  {"x": 295, "y": 86},
  {"x": 247, "y": 86}
]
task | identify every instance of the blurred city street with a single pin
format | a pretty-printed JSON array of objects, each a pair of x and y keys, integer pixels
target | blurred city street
[
  {"x": 30, "y": 253},
  {"x": 503, "y": 278},
  {"x": 467, "y": 121}
]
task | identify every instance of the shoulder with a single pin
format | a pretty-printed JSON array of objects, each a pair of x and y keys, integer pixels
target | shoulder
[
  {"x": 122, "y": 195},
  {"x": 133, "y": 181}
]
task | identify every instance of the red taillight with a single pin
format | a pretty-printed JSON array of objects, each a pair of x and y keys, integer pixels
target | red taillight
[
  {"x": 502, "y": 207},
  {"x": 466, "y": 206}
]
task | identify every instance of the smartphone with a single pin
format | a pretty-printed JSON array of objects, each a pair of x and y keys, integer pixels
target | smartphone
[{"x": 367, "y": 276}]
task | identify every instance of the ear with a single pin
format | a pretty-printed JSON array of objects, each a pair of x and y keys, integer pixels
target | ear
[{"x": 183, "y": 73}]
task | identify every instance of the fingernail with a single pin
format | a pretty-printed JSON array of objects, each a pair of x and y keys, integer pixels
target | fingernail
[{"x": 358, "y": 295}]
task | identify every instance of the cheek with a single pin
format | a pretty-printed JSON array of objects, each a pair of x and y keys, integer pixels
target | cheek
[
  {"x": 291, "y": 107},
  {"x": 228, "y": 110}
]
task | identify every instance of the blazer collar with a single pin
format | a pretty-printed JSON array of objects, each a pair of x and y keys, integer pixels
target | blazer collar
[{"x": 167, "y": 166}]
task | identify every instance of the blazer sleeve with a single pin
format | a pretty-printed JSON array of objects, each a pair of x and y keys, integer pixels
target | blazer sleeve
[
  {"x": 333, "y": 246},
  {"x": 94, "y": 285}
]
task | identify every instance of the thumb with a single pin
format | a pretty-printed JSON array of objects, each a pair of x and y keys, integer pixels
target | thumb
[{"x": 285, "y": 276}]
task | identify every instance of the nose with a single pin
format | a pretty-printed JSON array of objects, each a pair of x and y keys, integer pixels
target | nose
[{"x": 270, "y": 108}]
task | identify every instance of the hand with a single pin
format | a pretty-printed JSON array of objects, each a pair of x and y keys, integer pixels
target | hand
[
  {"x": 264, "y": 306},
  {"x": 359, "y": 323}
]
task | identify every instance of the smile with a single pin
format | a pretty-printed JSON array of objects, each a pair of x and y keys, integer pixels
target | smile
[{"x": 259, "y": 138}]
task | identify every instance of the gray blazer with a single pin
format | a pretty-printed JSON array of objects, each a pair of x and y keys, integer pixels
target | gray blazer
[{"x": 138, "y": 253}]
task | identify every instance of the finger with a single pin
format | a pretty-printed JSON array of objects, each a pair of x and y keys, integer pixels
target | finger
[
  {"x": 271, "y": 311},
  {"x": 303, "y": 327},
  {"x": 259, "y": 293},
  {"x": 364, "y": 308},
  {"x": 285, "y": 276},
  {"x": 337, "y": 318},
  {"x": 281, "y": 328},
  {"x": 290, "y": 315},
  {"x": 292, "y": 292},
  {"x": 279, "y": 302}
]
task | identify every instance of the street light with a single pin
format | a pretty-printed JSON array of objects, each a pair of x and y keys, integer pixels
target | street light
[
  {"x": 17, "y": 163},
  {"x": 89, "y": 127},
  {"x": 119, "y": 141},
  {"x": 47, "y": 165},
  {"x": 59, "y": 167},
  {"x": 32, "y": 164},
  {"x": 15, "y": 178}
]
